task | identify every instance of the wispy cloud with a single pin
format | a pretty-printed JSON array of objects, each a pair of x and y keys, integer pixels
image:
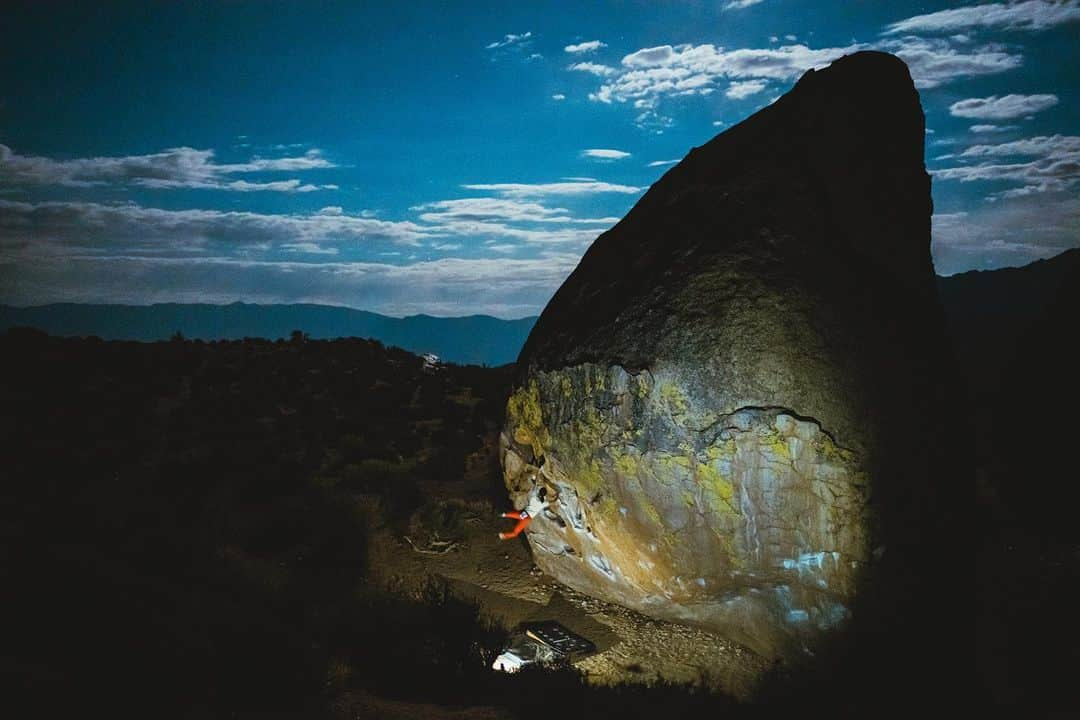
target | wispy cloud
[
  {"x": 309, "y": 248},
  {"x": 984, "y": 128},
  {"x": 528, "y": 190},
  {"x": 585, "y": 47},
  {"x": 594, "y": 69},
  {"x": 1028, "y": 15},
  {"x": 604, "y": 154},
  {"x": 1054, "y": 165},
  {"x": 661, "y": 163},
  {"x": 667, "y": 70},
  {"x": 1061, "y": 146},
  {"x": 740, "y": 4},
  {"x": 558, "y": 96},
  {"x": 129, "y": 227},
  {"x": 1012, "y": 231},
  {"x": 504, "y": 287},
  {"x": 91, "y": 252},
  {"x": 500, "y": 210},
  {"x": 1005, "y": 107},
  {"x": 181, "y": 167},
  {"x": 509, "y": 39},
  {"x": 574, "y": 235},
  {"x": 744, "y": 89},
  {"x": 31, "y": 232},
  {"x": 647, "y": 76},
  {"x": 936, "y": 61}
]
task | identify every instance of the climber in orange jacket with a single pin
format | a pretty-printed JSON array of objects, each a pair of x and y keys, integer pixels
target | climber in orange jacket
[{"x": 535, "y": 506}]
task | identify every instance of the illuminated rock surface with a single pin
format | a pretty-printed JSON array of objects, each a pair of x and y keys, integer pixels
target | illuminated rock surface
[{"x": 734, "y": 393}]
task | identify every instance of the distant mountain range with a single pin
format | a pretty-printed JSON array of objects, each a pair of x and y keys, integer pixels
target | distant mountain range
[
  {"x": 475, "y": 339},
  {"x": 987, "y": 311}
]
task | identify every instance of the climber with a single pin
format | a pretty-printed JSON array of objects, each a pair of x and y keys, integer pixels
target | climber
[{"x": 535, "y": 506}]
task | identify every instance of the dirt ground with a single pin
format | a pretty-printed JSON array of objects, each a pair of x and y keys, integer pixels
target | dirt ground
[{"x": 501, "y": 577}]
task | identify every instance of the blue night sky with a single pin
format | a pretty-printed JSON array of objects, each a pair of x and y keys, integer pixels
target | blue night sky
[{"x": 426, "y": 157}]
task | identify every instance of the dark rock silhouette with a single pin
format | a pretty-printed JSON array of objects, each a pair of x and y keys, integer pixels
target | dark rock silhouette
[{"x": 742, "y": 395}]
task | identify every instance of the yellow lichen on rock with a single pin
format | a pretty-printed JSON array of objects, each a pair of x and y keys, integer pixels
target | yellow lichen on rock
[
  {"x": 776, "y": 445},
  {"x": 715, "y": 485},
  {"x": 675, "y": 398},
  {"x": 641, "y": 386},
  {"x": 524, "y": 413},
  {"x": 830, "y": 451},
  {"x": 626, "y": 464}
]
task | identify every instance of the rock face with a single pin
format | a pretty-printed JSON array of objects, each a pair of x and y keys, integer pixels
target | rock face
[{"x": 737, "y": 394}]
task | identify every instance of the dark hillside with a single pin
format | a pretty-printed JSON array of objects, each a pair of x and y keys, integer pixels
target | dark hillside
[
  {"x": 184, "y": 521},
  {"x": 475, "y": 339},
  {"x": 186, "y": 526}
]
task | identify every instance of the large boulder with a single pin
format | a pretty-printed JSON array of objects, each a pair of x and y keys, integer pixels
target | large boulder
[{"x": 739, "y": 396}]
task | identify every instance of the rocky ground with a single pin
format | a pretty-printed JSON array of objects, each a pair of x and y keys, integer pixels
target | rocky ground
[{"x": 502, "y": 578}]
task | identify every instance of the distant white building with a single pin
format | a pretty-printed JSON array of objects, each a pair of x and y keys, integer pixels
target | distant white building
[{"x": 431, "y": 361}]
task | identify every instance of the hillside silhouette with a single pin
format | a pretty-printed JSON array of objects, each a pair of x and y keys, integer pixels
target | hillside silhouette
[{"x": 473, "y": 339}]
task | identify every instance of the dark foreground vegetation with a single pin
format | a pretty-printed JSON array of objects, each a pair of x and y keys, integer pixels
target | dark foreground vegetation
[{"x": 186, "y": 527}]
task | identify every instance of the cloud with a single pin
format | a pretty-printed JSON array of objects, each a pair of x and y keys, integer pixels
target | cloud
[
  {"x": 585, "y": 47},
  {"x": 650, "y": 74},
  {"x": 1028, "y": 15},
  {"x": 558, "y": 96},
  {"x": 1005, "y": 107},
  {"x": 509, "y": 39},
  {"x": 604, "y": 154},
  {"x": 1012, "y": 231},
  {"x": 181, "y": 167},
  {"x": 577, "y": 236},
  {"x": 489, "y": 209},
  {"x": 935, "y": 61},
  {"x": 1043, "y": 145},
  {"x": 94, "y": 252},
  {"x": 661, "y": 163},
  {"x": 527, "y": 190},
  {"x": 594, "y": 69},
  {"x": 740, "y": 4},
  {"x": 59, "y": 227},
  {"x": 503, "y": 287},
  {"x": 991, "y": 128},
  {"x": 744, "y": 88},
  {"x": 780, "y": 63},
  {"x": 309, "y": 248},
  {"x": 31, "y": 230},
  {"x": 496, "y": 220},
  {"x": 655, "y": 72},
  {"x": 1054, "y": 167}
]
